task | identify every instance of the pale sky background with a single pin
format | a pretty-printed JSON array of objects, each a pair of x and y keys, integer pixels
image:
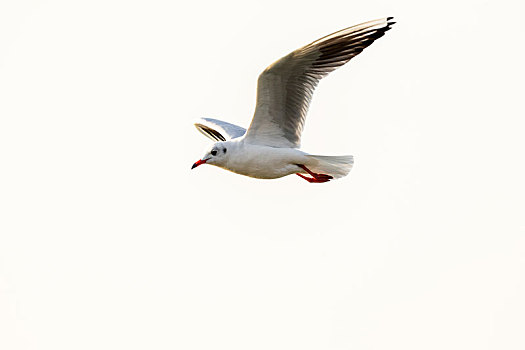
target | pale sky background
[{"x": 109, "y": 241}]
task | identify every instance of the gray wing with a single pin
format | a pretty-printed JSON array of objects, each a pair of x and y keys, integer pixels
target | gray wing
[
  {"x": 285, "y": 88},
  {"x": 218, "y": 130}
]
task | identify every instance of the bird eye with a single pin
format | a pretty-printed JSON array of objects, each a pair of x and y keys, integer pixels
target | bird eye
[
  {"x": 224, "y": 150},
  {"x": 214, "y": 152}
]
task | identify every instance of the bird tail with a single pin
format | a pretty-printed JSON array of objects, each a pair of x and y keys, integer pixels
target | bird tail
[{"x": 336, "y": 166}]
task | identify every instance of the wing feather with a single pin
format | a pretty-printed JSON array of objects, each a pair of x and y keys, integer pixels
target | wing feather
[
  {"x": 218, "y": 130},
  {"x": 285, "y": 88}
]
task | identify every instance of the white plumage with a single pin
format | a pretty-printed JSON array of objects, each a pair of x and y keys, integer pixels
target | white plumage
[{"x": 269, "y": 148}]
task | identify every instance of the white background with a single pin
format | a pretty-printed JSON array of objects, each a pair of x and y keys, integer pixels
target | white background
[{"x": 109, "y": 241}]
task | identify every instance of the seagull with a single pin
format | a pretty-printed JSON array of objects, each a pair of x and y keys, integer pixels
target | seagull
[{"x": 269, "y": 148}]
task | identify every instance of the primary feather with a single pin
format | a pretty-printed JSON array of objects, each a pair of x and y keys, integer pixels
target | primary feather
[{"x": 219, "y": 130}]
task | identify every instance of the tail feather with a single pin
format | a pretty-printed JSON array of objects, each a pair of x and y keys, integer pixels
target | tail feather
[{"x": 336, "y": 166}]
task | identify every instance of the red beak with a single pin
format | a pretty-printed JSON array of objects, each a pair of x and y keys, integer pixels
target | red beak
[{"x": 197, "y": 163}]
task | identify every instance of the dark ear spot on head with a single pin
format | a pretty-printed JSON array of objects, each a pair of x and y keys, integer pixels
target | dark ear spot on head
[{"x": 224, "y": 150}]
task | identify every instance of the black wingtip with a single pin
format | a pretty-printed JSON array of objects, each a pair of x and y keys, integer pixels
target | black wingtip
[{"x": 389, "y": 18}]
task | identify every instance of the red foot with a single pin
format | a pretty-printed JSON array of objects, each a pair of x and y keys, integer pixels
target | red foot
[{"x": 316, "y": 178}]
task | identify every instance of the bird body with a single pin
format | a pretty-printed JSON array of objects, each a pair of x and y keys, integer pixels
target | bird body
[
  {"x": 267, "y": 162},
  {"x": 252, "y": 160},
  {"x": 269, "y": 148}
]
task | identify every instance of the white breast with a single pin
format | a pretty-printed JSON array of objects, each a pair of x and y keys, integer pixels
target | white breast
[{"x": 264, "y": 162}]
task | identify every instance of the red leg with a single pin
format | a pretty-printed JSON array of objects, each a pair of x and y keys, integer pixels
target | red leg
[
  {"x": 309, "y": 179},
  {"x": 317, "y": 178}
]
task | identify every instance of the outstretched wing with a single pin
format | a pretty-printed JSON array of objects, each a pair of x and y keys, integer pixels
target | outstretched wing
[
  {"x": 218, "y": 130},
  {"x": 285, "y": 88}
]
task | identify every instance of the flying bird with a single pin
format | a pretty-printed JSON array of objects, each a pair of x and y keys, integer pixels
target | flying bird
[{"x": 269, "y": 148}]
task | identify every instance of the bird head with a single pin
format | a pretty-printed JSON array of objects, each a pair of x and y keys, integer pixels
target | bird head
[{"x": 216, "y": 155}]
